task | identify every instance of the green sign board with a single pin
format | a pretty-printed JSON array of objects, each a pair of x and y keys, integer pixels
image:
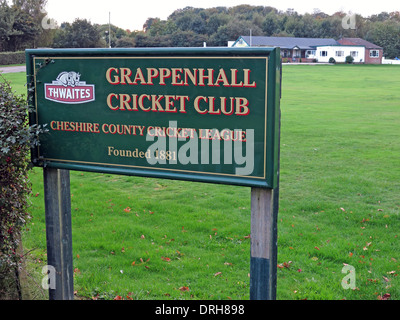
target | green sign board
[{"x": 198, "y": 114}]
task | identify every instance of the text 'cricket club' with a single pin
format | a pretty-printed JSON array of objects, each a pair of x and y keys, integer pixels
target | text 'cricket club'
[{"x": 69, "y": 89}]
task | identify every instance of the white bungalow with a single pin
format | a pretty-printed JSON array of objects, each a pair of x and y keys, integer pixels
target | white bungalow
[{"x": 339, "y": 53}]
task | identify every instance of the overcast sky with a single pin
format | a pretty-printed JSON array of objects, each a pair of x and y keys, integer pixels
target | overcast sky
[{"x": 132, "y": 14}]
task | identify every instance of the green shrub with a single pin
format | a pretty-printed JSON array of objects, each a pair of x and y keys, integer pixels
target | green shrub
[
  {"x": 349, "y": 59},
  {"x": 7, "y": 58},
  {"x": 332, "y": 60},
  {"x": 15, "y": 141}
]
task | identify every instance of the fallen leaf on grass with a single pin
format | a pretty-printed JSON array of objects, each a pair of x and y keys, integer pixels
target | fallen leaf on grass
[
  {"x": 127, "y": 209},
  {"x": 166, "y": 259},
  {"x": 217, "y": 274},
  {"x": 386, "y": 296},
  {"x": 184, "y": 288},
  {"x": 284, "y": 265}
]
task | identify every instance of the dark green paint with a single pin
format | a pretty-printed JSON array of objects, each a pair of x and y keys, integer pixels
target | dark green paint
[{"x": 89, "y": 151}]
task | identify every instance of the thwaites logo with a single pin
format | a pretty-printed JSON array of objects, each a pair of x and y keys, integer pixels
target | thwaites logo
[{"x": 69, "y": 89}]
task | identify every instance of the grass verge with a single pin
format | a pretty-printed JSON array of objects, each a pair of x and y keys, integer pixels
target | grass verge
[{"x": 140, "y": 238}]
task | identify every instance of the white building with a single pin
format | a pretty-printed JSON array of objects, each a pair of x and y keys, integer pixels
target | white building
[
  {"x": 339, "y": 53},
  {"x": 316, "y": 49}
]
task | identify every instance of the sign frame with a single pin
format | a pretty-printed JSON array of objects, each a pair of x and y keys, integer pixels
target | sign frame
[{"x": 35, "y": 58}]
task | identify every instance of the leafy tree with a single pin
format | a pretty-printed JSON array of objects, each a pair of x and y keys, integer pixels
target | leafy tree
[
  {"x": 198, "y": 25},
  {"x": 215, "y": 21},
  {"x": 187, "y": 39},
  {"x": 270, "y": 24},
  {"x": 232, "y": 31},
  {"x": 387, "y": 35},
  {"x": 33, "y": 11},
  {"x": 116, "y": 34},
  {"x": 17, "y": 28},
  {"x": 21, "y": 25},
  {"x": 24, "y": 31},
  {"x": 159, "y": 27},
  {"x": 125, "y": 42},
  {"x": 80, "y": 34}
]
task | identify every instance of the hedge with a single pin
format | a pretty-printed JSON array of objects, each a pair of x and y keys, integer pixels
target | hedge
[
  {"x": 7, "y": 58},
  {"x": 16, "y": 138}
]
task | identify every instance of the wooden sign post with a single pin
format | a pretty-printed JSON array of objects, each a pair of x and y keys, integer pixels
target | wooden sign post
[
  {"x": 264, "y": 239},
  {"x": 208, "y": 115},
  {"x": 57, "y": 199},
  {"x": 263, "y": 248}
]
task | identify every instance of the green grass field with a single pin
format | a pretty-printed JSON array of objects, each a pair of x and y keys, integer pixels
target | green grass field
[{"x": 144, "y": 238}]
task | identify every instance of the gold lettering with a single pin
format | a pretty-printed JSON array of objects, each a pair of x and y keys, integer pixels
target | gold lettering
[
  {"x": 109, "y": 101},
  {"x": 176, "y": 77},
  {"x": 247, "y": 83},
  {"x": 151, "y": 74},
  {"x": 141, "y": 98},
  {"x": 125, "y": 99},
  {"x": 209, "y": 77},
  {"x": 139, "y": 77},
  {"x": 222, "y": 78},
  {"x": 155, "y": 103},
  {"x": 234, "y": 79},
  {"x": 164, "y": 73},
  {"x": 242, "y": 107},
  {"x": 125, "y": 76},
  {"x": 108, "y": 76},
  {"x": 197, "y": 104},
  {"x": 192, "y": 76}
]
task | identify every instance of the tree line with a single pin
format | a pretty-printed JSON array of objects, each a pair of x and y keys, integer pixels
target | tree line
[{"x": 20, "y": 28}]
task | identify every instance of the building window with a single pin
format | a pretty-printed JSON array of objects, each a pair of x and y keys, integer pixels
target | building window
[
  {"x": 323, "y": 53},
  {"x": 310, "y": 53},
  {"x": 374, "y": 54},
  {"x": 339, "y": 53},
  {"x": 285, "y": 53},
  {"x": 354, "y": 54}
]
